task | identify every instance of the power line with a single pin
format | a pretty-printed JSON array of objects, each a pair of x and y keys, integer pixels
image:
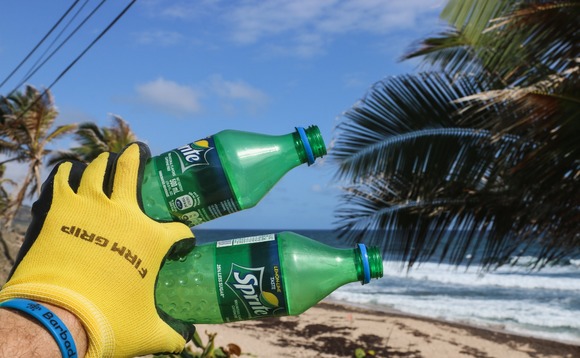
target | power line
[
  {"x": 111, "y": 24},
  {"x": 56, "y": 38},
  {"x": 39, "y": 43},
  {"x": 101, "y": 34},
  {"x": 59, "y": 46}
]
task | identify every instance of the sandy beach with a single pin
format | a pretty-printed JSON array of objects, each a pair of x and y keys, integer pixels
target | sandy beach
[{"x": 334, "y": 330}]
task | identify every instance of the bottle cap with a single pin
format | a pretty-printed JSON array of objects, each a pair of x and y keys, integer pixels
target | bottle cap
[
  {"x": 312, "y": 143},
  {"x": 307, "y": 148},
  {"x": 372, "y": 263},
  {"x": 365, "y": 261}
]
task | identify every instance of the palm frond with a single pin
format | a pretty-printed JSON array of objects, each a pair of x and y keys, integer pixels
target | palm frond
[
  {"x": 59, "y": 156},
  {"x": 463, "y": 48},
  {"x": 60, "y": 131},
  {"x": 546, "y": 113},
  {"x": 471, "y": 228},
  {"x": 450, "y": 51},
  {"x": 517, "y": 41},
  {"x": 551, "y": 35},
  {"x": 472, "y": 17},
  {"x": 94, "y": 140},
  {"x": 426, "y": 178},
  {"x": 405, "y": 108}
]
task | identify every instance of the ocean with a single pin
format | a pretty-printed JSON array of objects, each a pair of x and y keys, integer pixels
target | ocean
[{"x": 543, "y": 304}]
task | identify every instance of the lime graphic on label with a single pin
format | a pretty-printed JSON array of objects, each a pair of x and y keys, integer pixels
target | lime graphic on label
[
  {"x": 202, "y": 143},
  {"x": 269, "y": 300}
]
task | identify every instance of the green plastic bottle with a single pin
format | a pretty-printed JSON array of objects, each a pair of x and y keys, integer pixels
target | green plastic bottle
[
  {"x": 224, "y": 173},
  {"x": 261, "y": 276}
]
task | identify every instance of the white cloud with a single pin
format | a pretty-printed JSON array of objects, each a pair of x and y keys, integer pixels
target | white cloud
[
  {"x": 232, "y": 94},
  {"x": 317, "y": 188},
  {"x": 180, "y": 10},
  {"x": 256, "y": 19},
  {"x": 304, "y": 20},
  {"x": 163, "y": 38},
  {"x": 180, "y": 99},
  {"x": 170, "y": 96},
  {"x": 301, "y": 28},
  {"x": 354, "y": 80},
  {"x": 238, "y": 90}
]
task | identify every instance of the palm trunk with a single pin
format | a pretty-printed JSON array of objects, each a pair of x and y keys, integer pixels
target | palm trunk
[
  {"x": 16, "y": 204},
  {"x": 6, "y": 249}
]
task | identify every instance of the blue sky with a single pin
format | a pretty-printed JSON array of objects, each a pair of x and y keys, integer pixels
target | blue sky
[{"x": 178, "y": 71}]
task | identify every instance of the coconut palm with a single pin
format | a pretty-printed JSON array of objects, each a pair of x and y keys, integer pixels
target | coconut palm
[
  {"x": 477, "y": 159},
  {"x": 93, "y": 140},
  {"x": 26, "y": 129}
]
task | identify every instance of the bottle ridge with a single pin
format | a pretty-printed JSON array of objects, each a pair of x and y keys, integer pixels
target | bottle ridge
[
  {"x": 224, "y": 173},
  {"x": 261, "y": 276}
]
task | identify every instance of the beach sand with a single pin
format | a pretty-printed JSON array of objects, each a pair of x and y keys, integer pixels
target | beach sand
[{"x": 335, "y": 330}]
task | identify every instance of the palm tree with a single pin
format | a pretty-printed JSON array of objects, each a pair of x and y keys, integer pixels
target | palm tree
[
  {"x": 480, "y": 155},
  {"x": 94, "y": 140},
  {"x": 26, "y": 129}
]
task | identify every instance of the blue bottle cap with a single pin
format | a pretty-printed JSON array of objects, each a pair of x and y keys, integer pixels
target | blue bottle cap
[
  {"x": 307, "y": 148},
  {"x": 365, "y": 261}
]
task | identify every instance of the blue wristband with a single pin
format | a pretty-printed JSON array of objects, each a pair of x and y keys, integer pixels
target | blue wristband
[{"x": 49, "y": 320}]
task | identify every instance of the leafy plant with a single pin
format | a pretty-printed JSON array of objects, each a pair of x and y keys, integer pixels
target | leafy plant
[
  {"x": 362, "y": 353},
  {"x": 208, "y": 350}
]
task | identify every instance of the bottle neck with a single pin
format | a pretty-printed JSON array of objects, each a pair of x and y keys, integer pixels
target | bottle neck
[
  {"x": 369, "y": 263},
  {"x": 309, "y": 144}
]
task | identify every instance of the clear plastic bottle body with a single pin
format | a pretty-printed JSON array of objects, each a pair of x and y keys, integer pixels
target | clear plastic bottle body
[
  {"x": 254, "y": 163},
  {"x": 224, "y": 173},
  {"x": 307, "y": 270},
  {"x": 186, "y": 288},
  {"x": 313, "y": 270}
]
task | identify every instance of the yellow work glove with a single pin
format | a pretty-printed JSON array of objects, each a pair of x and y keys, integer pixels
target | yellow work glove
[{"x": 91, "y": 250}]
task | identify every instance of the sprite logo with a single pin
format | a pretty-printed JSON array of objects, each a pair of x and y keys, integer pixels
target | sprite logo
[
  {"x": 246, "y": 283},
  {"x": 191, "y": 155}
]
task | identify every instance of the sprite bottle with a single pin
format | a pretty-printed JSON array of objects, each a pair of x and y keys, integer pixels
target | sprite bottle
[
  {"x": 224, "y": 173},
  {"x": 261, "y": 276}
]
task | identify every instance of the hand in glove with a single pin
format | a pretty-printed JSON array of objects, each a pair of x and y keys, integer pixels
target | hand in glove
[{"x": 91, "y": 250}]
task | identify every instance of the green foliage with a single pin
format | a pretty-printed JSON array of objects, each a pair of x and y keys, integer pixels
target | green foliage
[
  {"x": 478, "y": 154},
  {"x": 26, "y": 131},
  {"x": 362, "y": 353},
  {"x": 208, "y": 350},
  {"x": 94, "y": 140}
]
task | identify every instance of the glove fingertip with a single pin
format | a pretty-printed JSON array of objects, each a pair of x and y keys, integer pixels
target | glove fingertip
[
  {"x": 144, "y": 151},
  {"x": 181, "y": 248},
  {"x": 184, "y": 329}
]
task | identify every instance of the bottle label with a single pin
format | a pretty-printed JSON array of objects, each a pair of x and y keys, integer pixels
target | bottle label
[
  {"x": 249, "y": 278},
  {"x": 195, "y": 186}
]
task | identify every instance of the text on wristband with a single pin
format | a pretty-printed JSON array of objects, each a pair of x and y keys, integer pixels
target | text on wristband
[{"x": 63, "y": 333}]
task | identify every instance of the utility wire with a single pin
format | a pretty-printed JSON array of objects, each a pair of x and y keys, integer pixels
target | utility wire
[
  {"x": 56, "y": 39},
  {"x": 111, "y": 24},
  {"x": 38, "y": 44},
  {"x": 92, "y": 43},
  {"x": 32, "y": 73}
]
